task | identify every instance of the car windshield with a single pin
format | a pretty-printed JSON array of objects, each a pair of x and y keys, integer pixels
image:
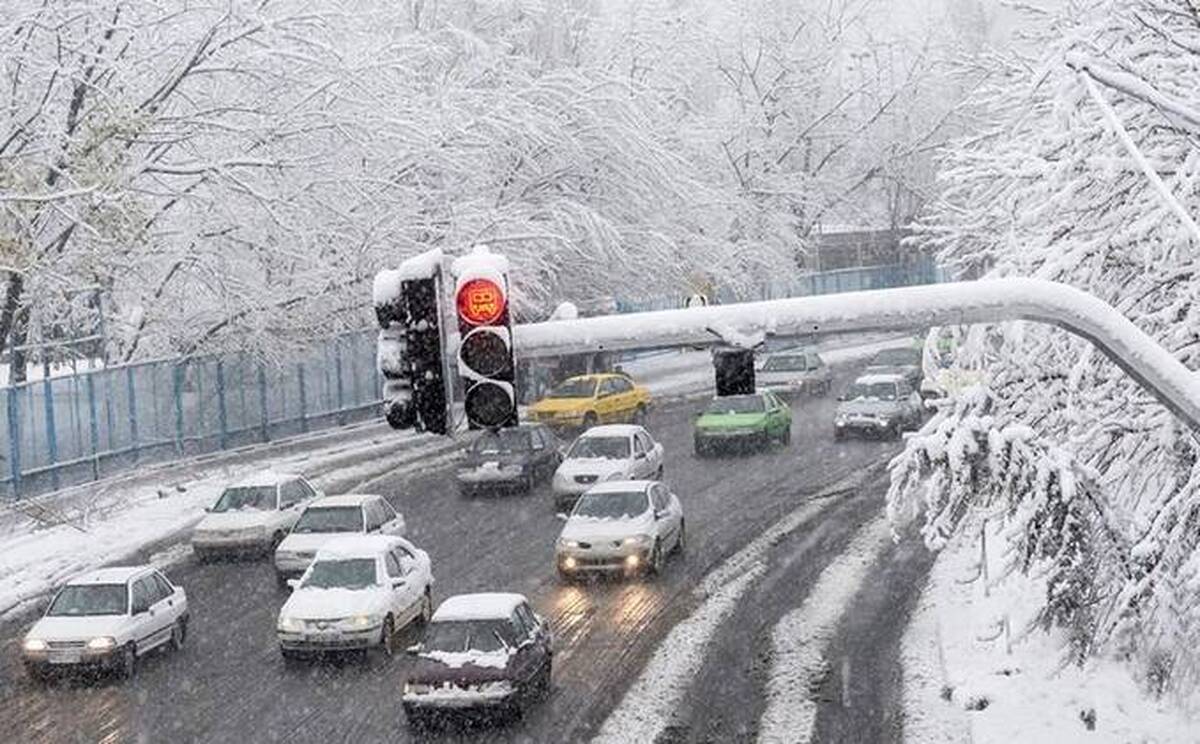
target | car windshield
[
  {"x": 736, "y": 404},
  {"x": 246, "y": 498},
  {"x": 612, "y": 505},
  {"x": 460, "y": 636},
  {"x": 330, "y": 519},
  {"x": 897, "y": 358},
  {"x": 606, "y": 448},
  {"x": 872, "y": 391},
  {"x": 342, "y": 573},
  {"x": 89, "y": 599},
  {"x": 578, "y": 387},
  {"x": 504, "y": 440},
  {"x": 789, "y": 363}
]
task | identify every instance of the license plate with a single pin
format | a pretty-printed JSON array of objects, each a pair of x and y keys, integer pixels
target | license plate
[
  {"x": 491, "y": 466},
  {"x": 66, "y": 657}
]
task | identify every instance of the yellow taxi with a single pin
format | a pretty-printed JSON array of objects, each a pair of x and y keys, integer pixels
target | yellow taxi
[{"x": 588, "y": 400}]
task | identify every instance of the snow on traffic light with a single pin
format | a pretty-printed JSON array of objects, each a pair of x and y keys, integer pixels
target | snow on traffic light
[
  {"x": 486, "y": 362},
  {"x": 410, "y": 357}
]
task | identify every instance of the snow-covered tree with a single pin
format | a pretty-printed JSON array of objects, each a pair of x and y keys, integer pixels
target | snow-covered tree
[{"x": 1100, "y": 482}]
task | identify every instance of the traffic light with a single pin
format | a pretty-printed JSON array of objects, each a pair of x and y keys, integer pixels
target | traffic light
[
  {"x": 485, "y": 348},
  {"x": 409, "y": 355},
  {"x": 734, "y": 370}
]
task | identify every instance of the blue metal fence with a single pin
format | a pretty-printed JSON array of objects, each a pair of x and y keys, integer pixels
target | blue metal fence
[{"x": 69, "y": 429}]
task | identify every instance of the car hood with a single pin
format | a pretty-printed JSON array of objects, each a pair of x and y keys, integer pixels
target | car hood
[
  {"x": 435, "y": 667},
  {"x": 864, "y": 406},
  {"x": 892, "y": 369},
  {"x": 597, "y": 466},
  {"x": 317, "y": 604},
  {"x": 475, "y": 459},
  {"x": 585, "y": 528},
  {"x": 76, "y": 628},
  {"x": 234, "y": 520},
  {"x": 774, "y": 375},
  {"x": 731, "y": 420},
  {"x": 556, "y": 405},
  {"x": 309, "y": 542}
]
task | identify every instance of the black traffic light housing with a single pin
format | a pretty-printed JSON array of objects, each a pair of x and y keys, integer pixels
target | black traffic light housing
[
  {"x": 486, "y": 359},
  {"x": 734, "y": 370}
]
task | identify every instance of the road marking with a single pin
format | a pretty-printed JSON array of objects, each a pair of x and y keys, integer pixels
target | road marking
[
  {"x": 646, "y": 709},
  {"x": 799, "y": 640}
]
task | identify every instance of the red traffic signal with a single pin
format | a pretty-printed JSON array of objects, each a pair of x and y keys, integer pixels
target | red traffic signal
[{"x": 480, "y": 302}]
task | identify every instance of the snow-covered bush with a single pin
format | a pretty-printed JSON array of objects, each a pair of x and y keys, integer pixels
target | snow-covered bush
[{"x": 1100, "y": 483}]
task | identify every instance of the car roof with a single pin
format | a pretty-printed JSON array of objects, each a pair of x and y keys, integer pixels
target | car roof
[
  {"x": 357, "y": 546},
  {"x": 880, "y": 377},
  {"x": 621, "y": 486},
  {"x": 901, "y": 347},
  {"x": 613, "y": 430},
  {"x": 483, "y": 606},
  {"x": 598, "y": 376},
  {"x": 345, "y": 499},
  {"x": 112, "y": 575},
  {"x": 263, "y": 478}
]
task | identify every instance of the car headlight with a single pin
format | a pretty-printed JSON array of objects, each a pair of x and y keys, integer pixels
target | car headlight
[
  {"x": 290, "y": 624},
  {"x": 839, "y": 420},
  {"x": 103, "y": 643},
  {"x": 638, "y": 540},
  {"x": 568, "y": 543},
  {"x": 361, "y": 622},
  {"x": 416, "y": 688},
  {"x": 34, "y": 644}
]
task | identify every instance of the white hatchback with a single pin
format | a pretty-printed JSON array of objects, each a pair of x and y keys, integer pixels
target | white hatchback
[
  {"x": 606, "y": 453},
  {"x": 358, "y": 592},
  {"x": 106, "y": 620},
  {"x": 328, "y": 517},
  {"x": 253, "y": 515},
  {"x": 623, "y": 526}
]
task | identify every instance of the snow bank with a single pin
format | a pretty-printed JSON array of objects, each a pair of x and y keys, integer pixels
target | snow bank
[
  {"x": 386, "y": 287},
  {"x": 973, "y": 672},
  {"x": 459, "y": 659},
  {"x": 421, "y": 266}
]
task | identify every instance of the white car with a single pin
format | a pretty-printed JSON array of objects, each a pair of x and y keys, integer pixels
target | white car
[
  {"x": 253, "y": 515},
  {"x": 358, "y": 592},
  {"x": 606, "y": 453},
  {"x": 106, "y": 620},
  {"x": 624, "y": 526},
  {"x": 328, "y": 517},
  {"x": 798, "y": 372}
]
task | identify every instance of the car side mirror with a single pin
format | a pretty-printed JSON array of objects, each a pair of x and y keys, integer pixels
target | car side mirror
[
  {"x": 293, "y": 584},
  {"x": 413, "y": 650},
  {"x": 563, "y": 516}
]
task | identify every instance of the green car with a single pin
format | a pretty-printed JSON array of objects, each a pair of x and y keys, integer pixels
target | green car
[{"x": 742, "y": 421}]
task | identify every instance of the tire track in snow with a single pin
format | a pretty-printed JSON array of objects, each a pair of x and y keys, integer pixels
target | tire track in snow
[
  {"x": 800, "y": 639},
  {"x": 647, "y": 706}
]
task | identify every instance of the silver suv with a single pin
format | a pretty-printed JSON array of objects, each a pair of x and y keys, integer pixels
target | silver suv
[{"x": 877, "y": 405}]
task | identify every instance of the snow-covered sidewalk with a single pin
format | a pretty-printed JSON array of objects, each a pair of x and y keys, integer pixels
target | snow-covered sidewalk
[{"x": 972, "y": 672}]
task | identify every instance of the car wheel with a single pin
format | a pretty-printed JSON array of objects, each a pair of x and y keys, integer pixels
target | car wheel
[
  {"x": 681, "y": 543},
  {"x": 701, "y": 450},
  {"x": 417, "y": 719},
  {"x": 178, "y": 634},
  {"x": 786, "y": 439},
  {"x": 658, "y": 474},
  {"x": 639, "y": 415},
  {"x": 544, "y": 679},
  {"x": 895, "y": 431},
  {"x": 529, "y": 483},
  {"x": 656, "y": 560},
  {"x": 291, "y": 658},
  {"x": 275, "y": 540},
  {"x": 127, "y": 664},
  {"x": 838, "y": 435},
  {"x": 589, "y": 420},
  {"x": 36, "y": 674},
  {"x": 388, "y": 639}
]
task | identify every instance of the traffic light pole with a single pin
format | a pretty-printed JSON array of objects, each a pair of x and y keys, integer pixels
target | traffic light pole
[{"x": 956, "y": 303}]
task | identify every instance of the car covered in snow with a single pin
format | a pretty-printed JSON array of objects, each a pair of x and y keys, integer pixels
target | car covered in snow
[
  {"x": 624, "y": 526},
  {"x": 106, "y": 620},
  {"x": 359, "y": 592},
  {"x": 877, "y": 405},
  {"x": 587, "y": 400},
  {"x": 519, "y": 457},
  {"x": 795, "y": 372},
  {"x": 906, "y": 361},
  {"x": 329, "y": 517},
  {"x": 252, "y": 515},
  {"x": 489, "y": 651},
  {"x": 751, "y": 421},
  {"x": 606, "y": 453}
]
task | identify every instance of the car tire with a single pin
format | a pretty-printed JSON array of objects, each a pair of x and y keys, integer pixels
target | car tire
[
  {"x": 895, "y": 431},
  {"x": 590, "y": 419},
  {"x": 786, "y": 439},
  {"x": 658, "y": 474},
  {"x": 178, "y": 634},
  {"x": 544, "y": 680},
  {"x": 838, "y": 435},
  {"x": 387, "y": 640},
  {"x": 291, "y": 658},
  {"x": 639, "y": 415},
  {"x": 655, "y": 566},
  {"x": 701, "y": 450},
  {"x": 529, "y": 483},
  {"x": 417, "y": 719},
  {"x": 681, "y": 543},
  {"x": 564, "y": 578},
  {"x": 127, "y": 665},
  {"x": 37, "y": 675}
]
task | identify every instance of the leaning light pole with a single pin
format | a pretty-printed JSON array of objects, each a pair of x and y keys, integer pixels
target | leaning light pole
[{"x": 983, "y": 301}]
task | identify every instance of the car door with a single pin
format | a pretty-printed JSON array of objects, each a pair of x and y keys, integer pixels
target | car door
[
  {"x": 664, "y": 518},
  {"x": 774, "y": 415},
  {"x": 539, "y": 462},
  {"x": 151, "y": 624},
  {"x": 400, "y": 593},
  {"x": 392, "y": 522},
  {"x": 626, "y": 398},
  {"x": 529, "y": 654},
  {"x": 606, "y": 401},
  {"x": 174, "y": 601},
  {"x": 540, "y": 633},
  {"x": 641, "y": 458},
  {"x": 783, "y": 413},
  {"x": 655, "y": 453},
  {"x": 291, "y": 496}
]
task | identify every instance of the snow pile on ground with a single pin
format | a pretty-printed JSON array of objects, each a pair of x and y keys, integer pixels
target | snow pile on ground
[{"x": 975, "y": 669}]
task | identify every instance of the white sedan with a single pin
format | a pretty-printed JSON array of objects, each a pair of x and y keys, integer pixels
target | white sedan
[
  {"x": 106, "y": 620},
  {"x": 357, "y": 594},
  {"x": 253, "y": 515},
  {"x": 324, "y": 519},
  {"x": 623, "y": 526},
  {"x": 606, "y": 453}
]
